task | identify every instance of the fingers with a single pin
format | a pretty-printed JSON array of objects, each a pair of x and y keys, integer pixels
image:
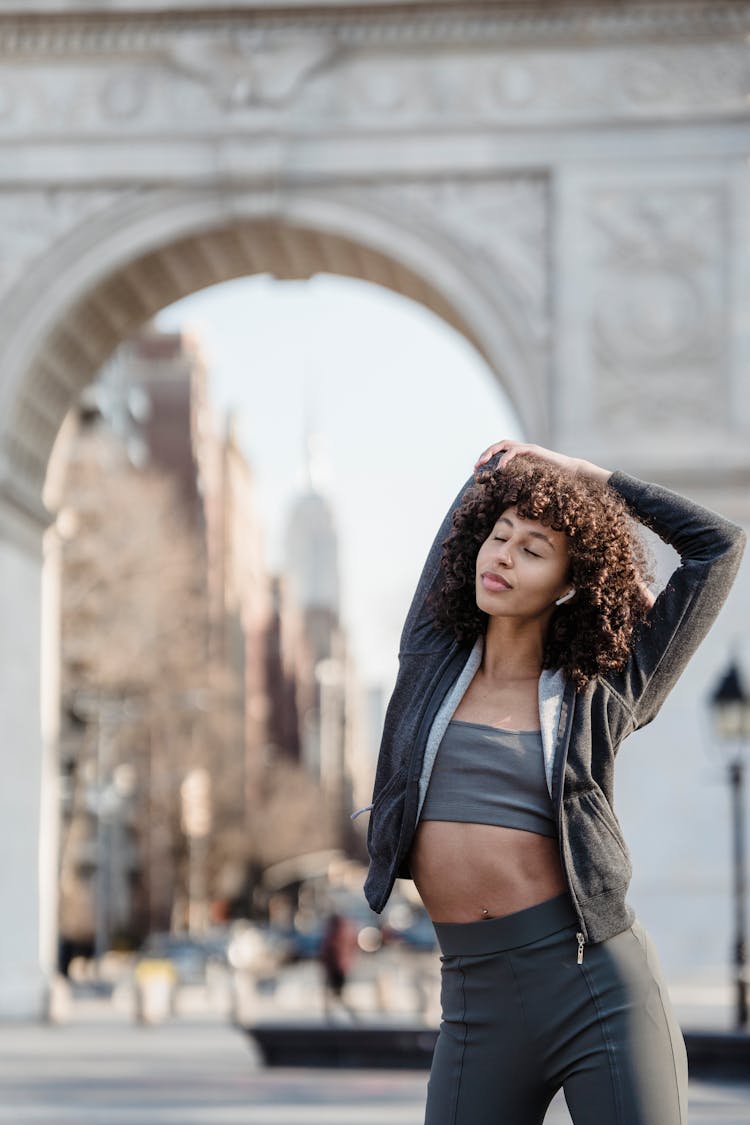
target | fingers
[
  {"x": 509, "y": 448},
  {"x": 490, "y": 451}
]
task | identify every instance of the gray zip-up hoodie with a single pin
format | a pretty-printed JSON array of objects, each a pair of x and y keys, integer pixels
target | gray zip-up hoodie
[{"x": 581, "y": 733}]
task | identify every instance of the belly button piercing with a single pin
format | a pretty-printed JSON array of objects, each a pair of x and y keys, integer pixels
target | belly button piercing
[{"x": 485, "y": 911}]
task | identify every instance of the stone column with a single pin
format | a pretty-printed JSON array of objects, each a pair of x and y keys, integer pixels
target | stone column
[{"x": 28, "y": 770}]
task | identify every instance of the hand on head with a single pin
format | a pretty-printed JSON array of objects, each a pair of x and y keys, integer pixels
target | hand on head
[{"x": 511, "y": 449}]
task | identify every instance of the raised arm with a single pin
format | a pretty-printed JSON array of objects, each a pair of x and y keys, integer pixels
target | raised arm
[
  {"x": 710, "y": 549},
  {"x": 419, "y": 633}
]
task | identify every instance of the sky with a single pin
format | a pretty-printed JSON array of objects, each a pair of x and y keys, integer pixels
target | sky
[{"x": 402, "y": 403}]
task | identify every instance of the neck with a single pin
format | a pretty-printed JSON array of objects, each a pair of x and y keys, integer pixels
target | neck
[{"x": 514, "y": 649}]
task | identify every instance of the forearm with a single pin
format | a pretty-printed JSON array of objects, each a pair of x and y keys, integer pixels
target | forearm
[
  {"x": 710, "y": 548},
  {"x": 694, "y": 531},
  {"x": 589, "y": 469},
  {"x": 418, "y": 631}
]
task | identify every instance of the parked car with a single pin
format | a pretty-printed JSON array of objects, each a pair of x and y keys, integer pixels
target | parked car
[
  {"x": 302, "y": 943},
  {"x": 189, "y": 956},
  {"x": 409, "y": 926},
  {"x": 257, "y": 948}
]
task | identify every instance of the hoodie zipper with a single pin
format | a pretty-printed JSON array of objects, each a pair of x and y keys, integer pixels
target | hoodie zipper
[{"x": 580, "y": 934}]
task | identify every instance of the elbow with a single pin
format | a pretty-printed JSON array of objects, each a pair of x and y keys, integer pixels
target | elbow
[
  {"x": 738, "y": 542},
  {"x": 732, "y": 556},
  {"x": 732, "y": 542}
]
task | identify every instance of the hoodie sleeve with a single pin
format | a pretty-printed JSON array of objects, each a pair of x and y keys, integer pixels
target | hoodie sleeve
[
  {"x": 710, "y": 549},
  {"x": 419, "y": 633}
]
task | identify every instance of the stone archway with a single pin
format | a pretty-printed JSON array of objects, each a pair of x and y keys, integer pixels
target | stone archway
[
  {"x": 117, "y": 269},
  {"x": 566, "y": 183},
  {"x": 94, "y": 287}
]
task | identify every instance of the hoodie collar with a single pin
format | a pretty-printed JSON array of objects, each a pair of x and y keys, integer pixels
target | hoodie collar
[
  {"x": 550, "y": 696},
  {"x": 550, "y": 692}
]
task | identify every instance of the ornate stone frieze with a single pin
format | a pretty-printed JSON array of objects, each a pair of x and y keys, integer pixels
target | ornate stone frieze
[
  {"x": 368, "y": 24},
  {"x": 659, "y": 306},
  {"x": 193, "y": 77},
  {"x": 536, "y": 87}
]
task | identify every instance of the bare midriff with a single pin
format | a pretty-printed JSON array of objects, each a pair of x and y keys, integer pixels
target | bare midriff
[{"x": 465, "y": 872}]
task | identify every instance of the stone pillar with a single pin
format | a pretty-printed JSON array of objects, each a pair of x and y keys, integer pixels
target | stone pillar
[{"x": 28, "y": 807}]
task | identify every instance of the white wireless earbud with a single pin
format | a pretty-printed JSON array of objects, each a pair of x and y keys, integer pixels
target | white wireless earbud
[{"x": 566, "y": 597}]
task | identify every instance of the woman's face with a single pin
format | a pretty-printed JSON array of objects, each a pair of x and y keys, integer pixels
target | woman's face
[{"x": 521, "y": 567}]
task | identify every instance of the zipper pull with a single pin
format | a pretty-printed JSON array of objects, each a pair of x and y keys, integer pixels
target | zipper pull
[{"x": 580, "y": 948}]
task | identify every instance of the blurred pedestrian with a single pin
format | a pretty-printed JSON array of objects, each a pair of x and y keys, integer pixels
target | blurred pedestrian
[{"x": 337, "y": 954}]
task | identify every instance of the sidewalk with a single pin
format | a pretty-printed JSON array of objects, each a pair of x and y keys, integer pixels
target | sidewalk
[
  {"x": 102, "y": 1069},
  {"x": 99, "y": 1067}
]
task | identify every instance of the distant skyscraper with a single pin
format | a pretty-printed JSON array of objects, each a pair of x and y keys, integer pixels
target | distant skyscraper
[
  {"x": 311, "y": 571},
  {"x": 310, "y": 541}
]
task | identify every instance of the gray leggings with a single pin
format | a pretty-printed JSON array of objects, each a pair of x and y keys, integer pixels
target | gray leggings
[{"x": 521, "y": 1019}]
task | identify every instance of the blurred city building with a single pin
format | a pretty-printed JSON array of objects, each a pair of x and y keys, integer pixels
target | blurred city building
[{"x": 264, "y": 693}]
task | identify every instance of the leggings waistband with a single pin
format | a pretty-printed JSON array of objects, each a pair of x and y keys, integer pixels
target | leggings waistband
[{"x": 490, "y": 935}]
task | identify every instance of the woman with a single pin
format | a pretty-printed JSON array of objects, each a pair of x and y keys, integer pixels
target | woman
[{"x": 532, "y": 648}]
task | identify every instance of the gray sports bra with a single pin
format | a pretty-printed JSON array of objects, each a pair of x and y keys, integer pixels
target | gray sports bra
[{"x": 488, "y": 775}]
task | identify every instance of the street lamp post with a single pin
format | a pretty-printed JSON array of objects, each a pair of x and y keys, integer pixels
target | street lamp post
[
  {"x": 106, "y": 800},
  {"x": 731, "y": 711},
  {"x": 195, "y": 793}
]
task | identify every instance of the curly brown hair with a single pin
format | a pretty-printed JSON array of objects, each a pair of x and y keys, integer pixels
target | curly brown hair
[{"x": 609, "y": 567}]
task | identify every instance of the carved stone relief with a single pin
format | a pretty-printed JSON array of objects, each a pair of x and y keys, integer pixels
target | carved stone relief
[
  {"x": 688, "y": 79},
  {"x": 495, "y": 85},
  {"x": 658, "y": 306},
  {"x": 502, "y": 223},
  {"x": 33, "y": 220},
  {"x": 124, "y": 95},
  {"x": 194, "y": 79},
  {"x": 250, "y": 68}
]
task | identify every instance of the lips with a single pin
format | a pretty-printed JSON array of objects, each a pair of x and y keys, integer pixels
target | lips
[{"x": 495, "y": 582}]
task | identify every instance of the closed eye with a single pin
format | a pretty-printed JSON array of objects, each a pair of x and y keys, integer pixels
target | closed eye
[{"x": 526, "y": 549}]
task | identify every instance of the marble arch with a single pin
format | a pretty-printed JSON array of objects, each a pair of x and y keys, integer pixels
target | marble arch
[
  {"x": 106, "y": 277},
  {"x": 565, "y": 181},
  {"x": 145, "y": 251}
]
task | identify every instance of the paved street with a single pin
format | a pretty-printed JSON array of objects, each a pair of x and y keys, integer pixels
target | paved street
[{"x": 102, "y": 1069}]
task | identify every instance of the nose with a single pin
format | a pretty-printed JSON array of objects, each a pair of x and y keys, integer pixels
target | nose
[{"x": 503, "y": 553}]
